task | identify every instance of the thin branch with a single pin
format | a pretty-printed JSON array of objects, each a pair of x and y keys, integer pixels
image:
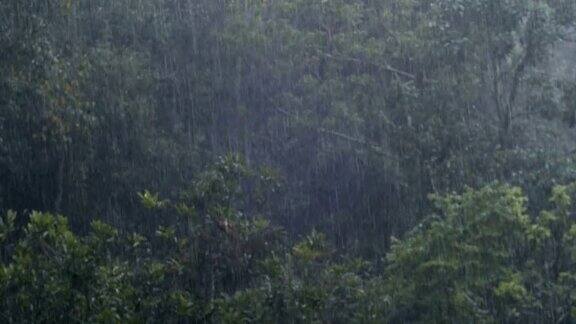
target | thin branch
[
  {"x": 372, "y": 145},
  {"x": 385, "y": 67}
]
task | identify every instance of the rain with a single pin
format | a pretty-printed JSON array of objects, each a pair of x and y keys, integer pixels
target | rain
[{"x": 288, "y": 161}]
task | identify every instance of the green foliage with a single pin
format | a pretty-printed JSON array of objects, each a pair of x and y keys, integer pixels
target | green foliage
[
  {"x": 485, "y": 259},
  {"x": 6, "y": 225},
  {"x": 150, "y": 200},
  {"x": 342, "y": 116},
  {"x": 381, "y": 103},
  {"x": 312, "y": 248}
]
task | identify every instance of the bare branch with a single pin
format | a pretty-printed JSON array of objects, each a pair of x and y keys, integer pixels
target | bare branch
[{"x": 385, "y": 67}]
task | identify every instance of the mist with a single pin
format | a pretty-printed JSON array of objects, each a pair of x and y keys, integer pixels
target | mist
[{"x": 288, "y": 161}]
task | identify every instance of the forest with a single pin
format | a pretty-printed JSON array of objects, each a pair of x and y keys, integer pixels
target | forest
[{"x": 288, "y": 161}]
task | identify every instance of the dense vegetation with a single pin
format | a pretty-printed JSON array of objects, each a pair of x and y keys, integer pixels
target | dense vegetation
[{"x": 288, "y": 161}]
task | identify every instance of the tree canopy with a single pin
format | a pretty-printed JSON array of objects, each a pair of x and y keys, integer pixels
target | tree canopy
[{"x": 287, "y": 160}]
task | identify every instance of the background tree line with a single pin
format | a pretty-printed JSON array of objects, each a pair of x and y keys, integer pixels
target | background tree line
[{"x": 349, "y": 113}]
